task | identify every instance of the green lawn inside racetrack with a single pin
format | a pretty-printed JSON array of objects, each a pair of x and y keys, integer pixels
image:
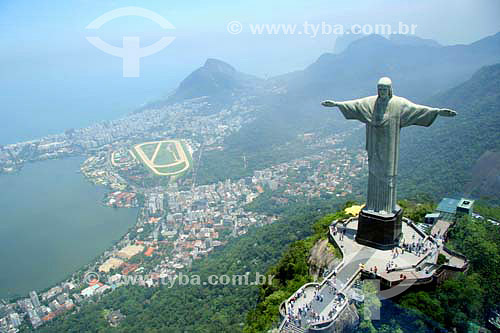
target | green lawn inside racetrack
[
  {"x": 149, "y": 149},
  {"x": 167, "y": 154}
]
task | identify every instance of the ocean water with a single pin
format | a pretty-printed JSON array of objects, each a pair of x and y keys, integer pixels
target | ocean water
[{"x": 32, "y": 108}]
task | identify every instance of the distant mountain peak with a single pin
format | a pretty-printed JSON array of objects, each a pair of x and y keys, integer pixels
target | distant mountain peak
[
  {"x": 213, "y": 64},
  {"x": 216, "y": 79},
  {"x": 368, "y": 41}
]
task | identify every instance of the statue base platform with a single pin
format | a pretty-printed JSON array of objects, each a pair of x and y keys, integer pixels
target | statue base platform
[{"x": 378, "y": 230}]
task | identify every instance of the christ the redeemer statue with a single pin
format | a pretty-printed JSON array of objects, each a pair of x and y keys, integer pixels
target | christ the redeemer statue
[{"x": 384, "y": 116}]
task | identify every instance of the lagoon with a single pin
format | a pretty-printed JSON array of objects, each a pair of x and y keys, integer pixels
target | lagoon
[{"x": 52, "y": 223}]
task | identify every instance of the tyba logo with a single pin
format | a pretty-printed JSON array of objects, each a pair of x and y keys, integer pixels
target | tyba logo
[{"x": 131, "y": 52}]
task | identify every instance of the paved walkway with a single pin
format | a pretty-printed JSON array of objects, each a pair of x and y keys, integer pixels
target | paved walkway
[
  {"x": 440, "y": 227},
  {"x": 326, "y": 306},
  {"x": 356, "y": 254}
]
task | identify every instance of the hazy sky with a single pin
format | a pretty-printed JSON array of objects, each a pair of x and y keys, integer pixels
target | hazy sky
[
  {"x": 48, "y": 66},
  {"x": 33, "y": 31}
]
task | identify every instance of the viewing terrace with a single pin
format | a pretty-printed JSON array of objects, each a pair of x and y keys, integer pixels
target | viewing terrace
[{"x": 316, "y": 306}]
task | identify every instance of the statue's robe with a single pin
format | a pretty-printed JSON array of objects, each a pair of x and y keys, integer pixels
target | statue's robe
[{"x": 383, "y": 123}]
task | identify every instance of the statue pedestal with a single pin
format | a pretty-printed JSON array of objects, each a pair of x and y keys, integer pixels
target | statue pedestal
[{"x": 381, "y": 231}]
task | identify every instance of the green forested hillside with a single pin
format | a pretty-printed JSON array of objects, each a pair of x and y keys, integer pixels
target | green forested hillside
[
  {"x": 291, "y": 272},
  {"x": 469, "y": 297},
  {"x": 439, "y": 160}
]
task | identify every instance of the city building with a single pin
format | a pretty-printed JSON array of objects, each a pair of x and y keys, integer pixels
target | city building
[
  {"x": 15, "y": 320},
  {"x": 34, "y": 299},
  {"x": 111, "y": 263},
  {"x": 130, "y": 251}
]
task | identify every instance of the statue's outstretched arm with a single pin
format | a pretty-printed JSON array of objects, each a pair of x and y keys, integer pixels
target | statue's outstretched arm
[
  {"x": 356, "y": 109},
  {"x": 422, "y": 108},
  {"x": 329, "y": 103},
  {"x": 446, "y": 113},
  {"x": 421, "y": 115}
]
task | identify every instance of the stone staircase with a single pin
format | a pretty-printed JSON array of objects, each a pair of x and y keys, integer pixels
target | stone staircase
[{"x": 292, "y": 328}]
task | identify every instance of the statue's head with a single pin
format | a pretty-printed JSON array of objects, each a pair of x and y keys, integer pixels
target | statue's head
[{"x": 384, "y": 87}]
